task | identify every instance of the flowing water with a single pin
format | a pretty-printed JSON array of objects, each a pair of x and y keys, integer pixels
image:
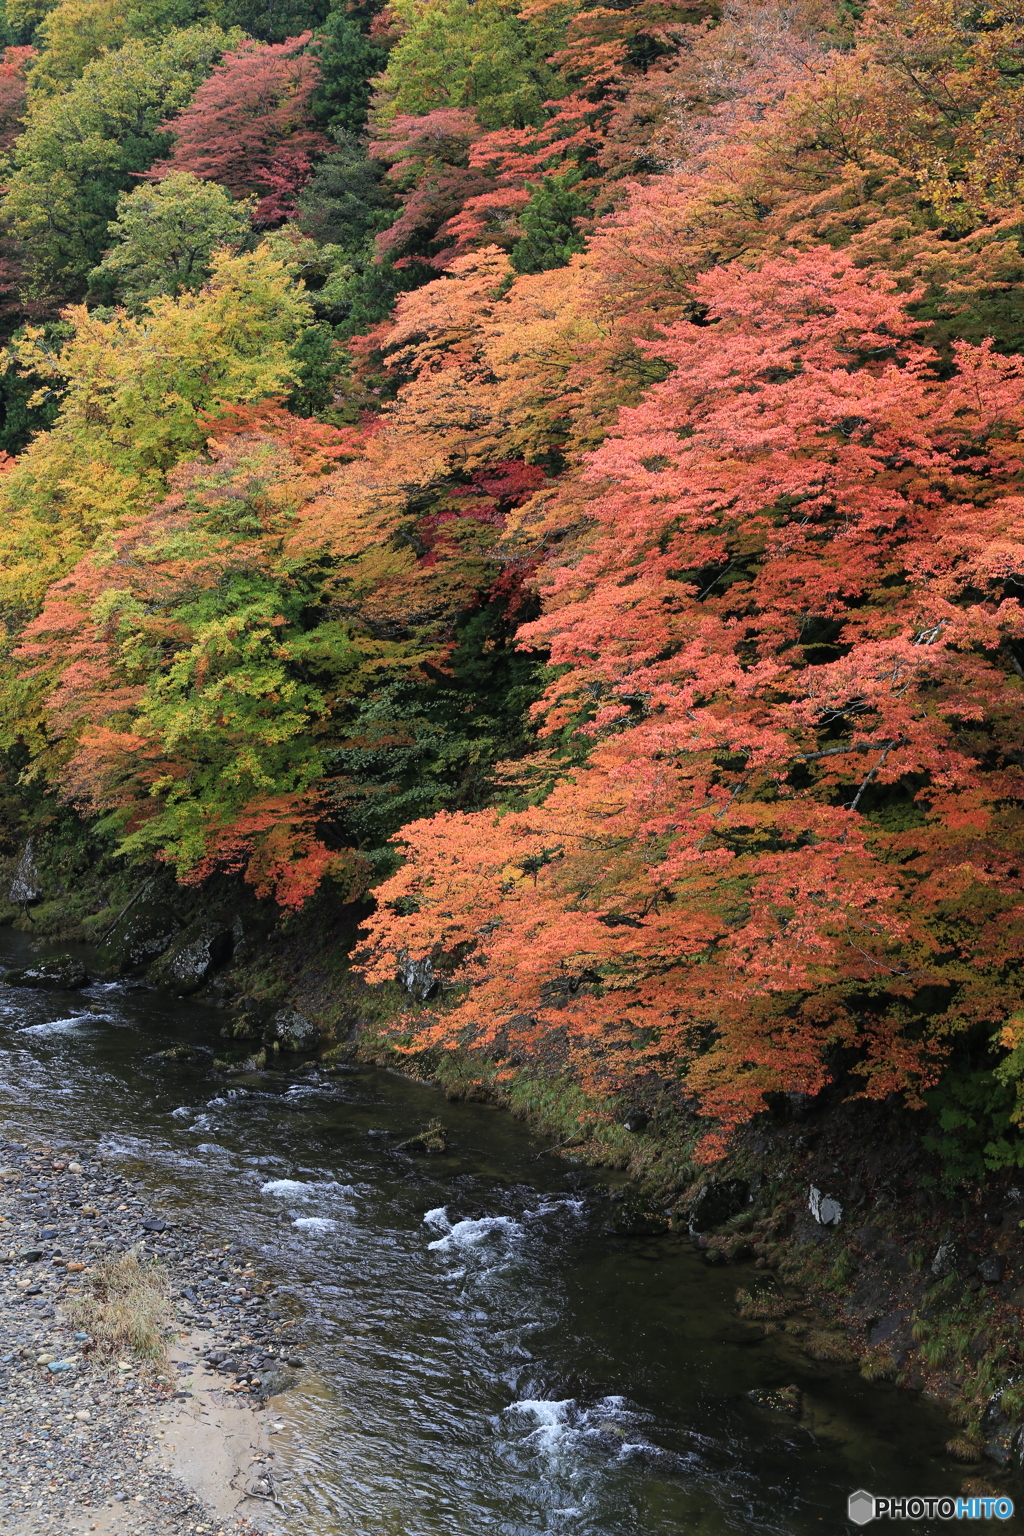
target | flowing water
[{"x": 485, "y": 1357}]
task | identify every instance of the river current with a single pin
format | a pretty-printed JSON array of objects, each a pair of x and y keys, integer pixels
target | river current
[{"x": 485, "y": 1357}]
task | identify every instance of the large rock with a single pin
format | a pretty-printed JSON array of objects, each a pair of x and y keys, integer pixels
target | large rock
[
  {"x": 1004, "y": 1438},
  {"x": 717, "y": 1202},
  {"x": 292, "y": 1031},
  {"x": 190, "y": 965},
  {"x": 139, "y": 938},
  {"x": 825, "y": 1209},
  {"x": 417, "y": 976},
  {"x": 65, "y": 974},
  {"x": 26, "y": 887},
  {"x": 950, "y": 1259}
]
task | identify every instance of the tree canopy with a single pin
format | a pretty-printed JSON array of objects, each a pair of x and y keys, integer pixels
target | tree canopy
[{"x": 585, "y": 527}]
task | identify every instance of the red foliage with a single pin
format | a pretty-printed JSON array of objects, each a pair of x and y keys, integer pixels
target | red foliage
[
  {"x": 13, "y": 91},
  {"x": 790, "y": 640},
  {"x": 428, "y": 157},
  {"x": 249, "y": 126}
]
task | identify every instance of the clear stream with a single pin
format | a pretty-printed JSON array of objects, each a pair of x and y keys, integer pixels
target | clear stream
[{"x": 484, "y": 1356}]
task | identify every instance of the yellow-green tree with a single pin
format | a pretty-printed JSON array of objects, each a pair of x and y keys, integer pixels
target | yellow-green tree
[
  {"x": 77, "y": 31},
  {"x": 82, "y": 147},
  {"x": 136, "y": 389},
  {"x": 164, "y": 237},
  {"x": 485, "y": 56}
]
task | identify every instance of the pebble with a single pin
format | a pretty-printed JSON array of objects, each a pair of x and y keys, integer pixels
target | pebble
[{"x": 74, "y": 1436}]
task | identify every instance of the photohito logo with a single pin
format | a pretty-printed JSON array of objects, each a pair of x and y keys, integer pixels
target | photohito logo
[{"x": 863, "y": 1506}]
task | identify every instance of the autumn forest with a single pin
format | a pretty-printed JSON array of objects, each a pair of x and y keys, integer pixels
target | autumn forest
[{"x": 551, "y": 476}]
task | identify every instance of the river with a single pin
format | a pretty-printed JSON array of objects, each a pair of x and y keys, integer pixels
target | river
[{"x": 485, "y": 1356}]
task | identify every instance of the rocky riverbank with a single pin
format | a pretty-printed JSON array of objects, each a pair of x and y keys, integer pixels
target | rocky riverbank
[
  {"x": 843, "y": 1207},
  {"x": 95, "y": 1439}
]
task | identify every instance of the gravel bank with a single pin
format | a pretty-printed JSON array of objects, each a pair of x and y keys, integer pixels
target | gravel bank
[{"x": 104, "y": 1445}]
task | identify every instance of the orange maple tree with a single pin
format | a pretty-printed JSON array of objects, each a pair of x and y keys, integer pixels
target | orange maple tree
[{"x": 789, "y": 643}]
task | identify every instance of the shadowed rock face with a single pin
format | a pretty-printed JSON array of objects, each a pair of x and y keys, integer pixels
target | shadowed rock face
[
  {"x": 65, "y": 974},
  {"x": 193, "y": 962},
  {"x": 139, "y": 938},
  {"x": 717, "y": 1202}
]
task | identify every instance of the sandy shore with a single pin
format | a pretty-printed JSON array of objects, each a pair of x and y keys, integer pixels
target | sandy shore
[{"x": 93, "y": 1444}]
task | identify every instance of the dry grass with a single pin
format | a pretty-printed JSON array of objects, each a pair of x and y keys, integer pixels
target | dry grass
[
  {"x": 128, "y": 1310},
  {"x": 878, "y": 1364},
  {"x": 761, "y": 1308},
  {"x": 829, "y": 1346},
  {"x": 962, "y": 1449}
]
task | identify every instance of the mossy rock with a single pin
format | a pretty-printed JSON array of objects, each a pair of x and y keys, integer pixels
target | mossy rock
[
  {"x": 291, "y": 1031},
  {"x": 778, "y": 1399},
  {"x": 433, "y": 1138},
  {"x": 193, "y": 961},
  {"x": 66, "y": 974},
  {"x": 140, "y": 938}
]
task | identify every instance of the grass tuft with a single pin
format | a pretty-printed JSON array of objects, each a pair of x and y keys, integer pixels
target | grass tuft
[
  {"x": 762, "y": 1307},
  {"x": 128, "y": 1310},
  {"x": 962, "y": 1449},
  {"x": 878, "y": 1364},
  {"x": 829, "y": 1346}
]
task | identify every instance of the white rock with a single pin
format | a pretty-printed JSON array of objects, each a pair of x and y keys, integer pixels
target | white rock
[{"x": 826, "y": 1210}]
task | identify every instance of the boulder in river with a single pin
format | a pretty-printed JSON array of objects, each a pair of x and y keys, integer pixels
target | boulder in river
[
  {"x": 778, "y": 1399},
  {"x": 432, "y": 1138},
  {"x": 633, "y": 1212},
  {"x": 64, "y": 974},
  {"x": 292, "y": 1031},
  {"x": 274, "y": 1382}
]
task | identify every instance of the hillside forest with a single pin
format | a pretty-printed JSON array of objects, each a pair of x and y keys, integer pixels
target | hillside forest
[{"x": 549, "y": 477}]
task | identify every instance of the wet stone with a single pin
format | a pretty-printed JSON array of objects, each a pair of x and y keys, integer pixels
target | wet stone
[{"x": 65, "y": 974}]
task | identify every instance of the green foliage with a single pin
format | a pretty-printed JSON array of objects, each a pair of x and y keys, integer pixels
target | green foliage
[
  {"x": 345, "y": 203},
  {"x": 231, "y": 704},
  {"x": 549, "y": 220},
  {"x": 82, "y": 148},
  {"x": 22, "y": 17},
  {"x": 369, "y": 295},
  {"x": 318, "y": 365},
  {"x": 76, "y": 32},
  {"x": 28, "y": 402},
  {"x": 974, "y": 1128},
  {"x": 136, "y": 389},
  {"x": 418, "y": 746},
  {"x": 272, "y": 21},
  {"x": 348, "y": 62},
  {"x": 485, "y": 56},
  {"x": 165, "y": 235}
]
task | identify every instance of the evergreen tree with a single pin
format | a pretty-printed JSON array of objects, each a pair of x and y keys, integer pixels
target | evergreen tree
[
  {"x": 272, "y": 21},
  {"x": 348, "y": 63},
  {"x": 550, "y": 223}
]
